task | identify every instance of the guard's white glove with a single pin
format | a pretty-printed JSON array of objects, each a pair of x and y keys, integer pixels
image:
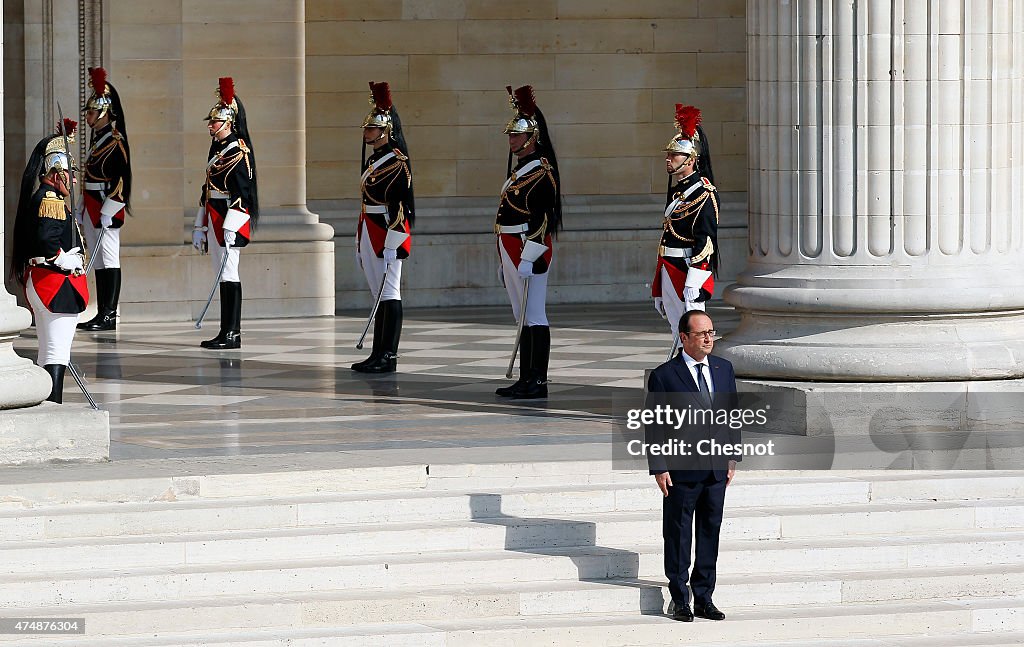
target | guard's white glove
[
  {"x": 229, "y": 238},
  {"x": 691, "y": 294},
  {"x": 525, "y": 269},
  {"x": 70, "y": 260},
  {"x": 199, "y": 239},
  {"x": 106, "y": 221},
  {"x": 390, "y": 255},
  {"x": 659, "y": 306}
]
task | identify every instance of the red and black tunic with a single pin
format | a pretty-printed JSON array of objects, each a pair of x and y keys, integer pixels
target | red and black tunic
[
  {"x": 689, "y": 234},
  {"x": 59, "y": 290},
  {"x": 386, "y": 185},
  {"x": 105, "y": 172},
  {"x": 527, "y": 207},
  {"x": 229, "y": 186}
]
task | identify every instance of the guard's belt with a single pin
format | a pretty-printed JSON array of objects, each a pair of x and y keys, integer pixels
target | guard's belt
[
  {"x": 95, "y": 186},
  {"x": 375, "y": 208},
  {"x": 675, "y": 252},
  {"x": 513, "y": 229},
  {"x": 218, "y": 195}
]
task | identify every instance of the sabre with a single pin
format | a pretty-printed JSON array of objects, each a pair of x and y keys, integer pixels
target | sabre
[
  {"x": 81, "y": 385},
  {"x": 213, "y": 291},
  {"x": 373, "y": 312},
  {"x": 675, "y": 345},
  {"x": 519, "y": 328},
  {"x": 71, "y": 180},
  {"x": 98, "y": 246}
]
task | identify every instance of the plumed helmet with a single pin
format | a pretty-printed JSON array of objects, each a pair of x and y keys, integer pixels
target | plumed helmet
[
  {"x": 101, "y": 100},
  {"x": 226, "y": 108},
  {"x": 524, "y": 105},
  {"x": 56, "y": 156},
  {"x": 380, "y": 114},
  {"x": 687, "y": 140}
]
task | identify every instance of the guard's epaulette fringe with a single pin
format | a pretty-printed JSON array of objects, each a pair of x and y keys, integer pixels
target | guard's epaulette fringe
[{"x": 52, "y": 207}]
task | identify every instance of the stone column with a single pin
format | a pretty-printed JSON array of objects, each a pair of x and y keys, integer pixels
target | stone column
[
  {"x": 886, "y": 180},
  {"x": 24, "y": 383},
  {"x": 165, "y": 57}
]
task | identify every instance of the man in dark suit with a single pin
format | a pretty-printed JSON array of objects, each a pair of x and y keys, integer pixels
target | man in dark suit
[{"x": 694, "y": 487}]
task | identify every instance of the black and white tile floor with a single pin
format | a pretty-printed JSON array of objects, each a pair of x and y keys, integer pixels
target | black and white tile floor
[{"x": 290, "y": 389}]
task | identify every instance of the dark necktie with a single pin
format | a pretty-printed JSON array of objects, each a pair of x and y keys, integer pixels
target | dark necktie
[{"x": 702, "y": 385}]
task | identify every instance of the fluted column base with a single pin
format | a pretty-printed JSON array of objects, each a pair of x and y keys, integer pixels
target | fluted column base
[
  {"x": 876, "y": 324},
  {"x": 24, "y": 383}
]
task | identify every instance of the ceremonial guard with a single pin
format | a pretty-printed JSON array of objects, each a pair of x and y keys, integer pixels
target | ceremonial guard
[
  {"x": 385, "y": 225},
  {"x": 688, "y": 254},
  {"x": 46, "y": 255},
  {"x": 229, "y": 207},
  {"x": 529, "y": 216},
  {"x": 106, "y": 195}
]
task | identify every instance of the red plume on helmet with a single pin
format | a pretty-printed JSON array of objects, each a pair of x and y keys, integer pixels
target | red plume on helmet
[
  {"x": 381, "y": 93},
  {"x": 525, "y": 101},
  {"x": 98, "y": 80},
  {"x": 687, "y": 120},
  {"x": 70, "y": 125},
  {"x": 227, "y": 90}
]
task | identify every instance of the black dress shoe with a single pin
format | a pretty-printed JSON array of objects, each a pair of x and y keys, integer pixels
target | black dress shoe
[
  {"x": 101, "y": 322},
  {"x": 224, "y": 341},
  {"x": 510, "y": 390},
  {"x": 386, "y": 363},
  {"x": 707, "y": 610},
  {"x": 680, "y": 612},
  {"x": 532, "y": 390}
]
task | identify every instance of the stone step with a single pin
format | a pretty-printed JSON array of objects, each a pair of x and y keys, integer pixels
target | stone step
[
  {"x": 303, "y": 475},
  {"x": 620, "y": 530},
  {"x": 782, "y": 496},
  {"x": 179, "y": 575},
  {"x": 613, "y": 596},
  {"x": 879, "y": 624}
]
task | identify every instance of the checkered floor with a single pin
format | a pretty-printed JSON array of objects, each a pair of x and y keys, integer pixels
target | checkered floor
[{"x": 290, "y": 389}]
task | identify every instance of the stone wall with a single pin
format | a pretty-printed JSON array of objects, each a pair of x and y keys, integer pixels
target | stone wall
[{"x": 607, "y": 75}]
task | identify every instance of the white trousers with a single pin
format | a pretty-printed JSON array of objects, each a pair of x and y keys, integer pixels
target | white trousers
[
  {"x": 674, "y": 306},
  {"x": 217, "y": 253},
  {"x": 374, "y": 268},
  {"x": 536, "y": 300},
  {"x": 108, "y": 256},
  {"x": 55, "y": 331}
]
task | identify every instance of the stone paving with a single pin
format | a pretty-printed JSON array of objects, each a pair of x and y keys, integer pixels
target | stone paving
[{"x": 289, "y": 389}]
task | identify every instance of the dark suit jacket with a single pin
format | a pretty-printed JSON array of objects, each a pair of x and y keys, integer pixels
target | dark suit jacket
[{"x": 674, "y": 377}]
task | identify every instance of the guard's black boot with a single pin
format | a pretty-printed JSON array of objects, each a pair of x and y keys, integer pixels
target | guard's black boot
[
  {"x": 525, "y": 352},
  {"x": 391, "y": 334},
  {"x": 230, "y": 336},
  {"x": 540, "y": 350},
  {"x": 378, "y": 336},
  {"x": 56, "y": 372},
  {"x": 108, "y": 289}
]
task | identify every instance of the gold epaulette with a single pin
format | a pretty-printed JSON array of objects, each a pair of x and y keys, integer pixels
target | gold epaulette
[
  {"x": 400, "y": 155},
  {"x": 52, "y": 207},
  {"x": 707, "y": 184}
]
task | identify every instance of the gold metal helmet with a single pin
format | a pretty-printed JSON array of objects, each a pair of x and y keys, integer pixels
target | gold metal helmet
[
  {"x": 226, "y": 108},
  {"x": 56, "y": 156},
  {"x": 100, "y": 101},
  {"x": 524, "y": 104},
  {"x": 686, "y": 140},
  {"x": 380, "y": 115}
]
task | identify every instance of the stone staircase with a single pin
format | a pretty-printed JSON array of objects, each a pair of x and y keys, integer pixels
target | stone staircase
[{"x": 565, "y": 553}]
